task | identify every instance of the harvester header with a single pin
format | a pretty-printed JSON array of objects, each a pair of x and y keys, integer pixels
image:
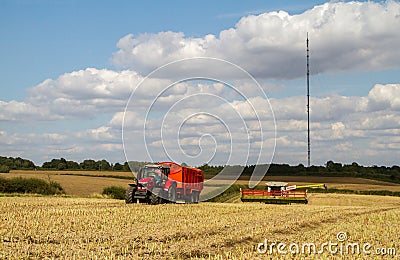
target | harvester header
[{"x": 279, "y": 193}]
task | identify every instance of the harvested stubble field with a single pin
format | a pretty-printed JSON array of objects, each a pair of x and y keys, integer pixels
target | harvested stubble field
[{"x": 82, "y": 228}]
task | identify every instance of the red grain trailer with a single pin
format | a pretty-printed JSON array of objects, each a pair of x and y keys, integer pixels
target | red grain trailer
[{"x": 166, "y": 182}]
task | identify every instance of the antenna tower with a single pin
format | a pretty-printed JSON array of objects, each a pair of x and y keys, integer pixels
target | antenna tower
[{"x": 308, "y": 107}]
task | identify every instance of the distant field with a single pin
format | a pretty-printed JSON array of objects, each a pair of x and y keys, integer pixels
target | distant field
[
  {"x": 84, "y": 186},
  {"x": 87, "y": 228},
  {"x": 110, "y": 173},
  {"x": 81, "y": 186}
]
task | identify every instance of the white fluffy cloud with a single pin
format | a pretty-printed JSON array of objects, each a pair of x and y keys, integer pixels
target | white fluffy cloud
[
  {"x": 87, "y": 84},
  {"x": 84, "y": 93},
  {"x": 79, "y": 94},
  {"x": 344, "y": 36},
  {"x": 384, "y": 96},
  {"x": 20, "y": 111},
  {"x": 153, "y": 50}
]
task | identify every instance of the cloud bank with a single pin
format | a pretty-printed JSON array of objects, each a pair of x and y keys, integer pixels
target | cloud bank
[{"x": 344, "y": 36}]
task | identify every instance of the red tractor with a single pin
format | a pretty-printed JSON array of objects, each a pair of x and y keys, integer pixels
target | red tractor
[{"x": 166, "y": 182}]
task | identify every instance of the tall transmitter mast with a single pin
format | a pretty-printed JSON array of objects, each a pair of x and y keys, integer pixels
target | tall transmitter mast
[{"x": 308, "y": 106}]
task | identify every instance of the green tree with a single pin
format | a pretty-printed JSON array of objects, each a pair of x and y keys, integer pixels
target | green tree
[
  {"x": 118, "y": 167},
  {"x": 61, "y": 166},
  {"x": 103, "y": 165},
  {"x": 4, "y": 169},
  {"x": 73, "y": 165},
  {"x": 333, "y": 167},
  {"x": 88, "y": 165}
]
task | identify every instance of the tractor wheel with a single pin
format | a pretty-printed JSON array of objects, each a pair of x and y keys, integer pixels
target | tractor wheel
[
  {"x": 129, "y": 195},
  {"x": 172, "y": 194},
  {"x": 154, "y": 198}
]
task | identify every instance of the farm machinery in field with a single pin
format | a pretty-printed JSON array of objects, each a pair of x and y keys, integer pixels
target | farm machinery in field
[
  {"x": 279, "y": 193},
  {"x": 166, "y": 182}
]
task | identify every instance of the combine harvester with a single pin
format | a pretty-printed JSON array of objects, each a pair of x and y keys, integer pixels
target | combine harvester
[
  {"x": 279, "y": 193},
  {"x": 166, "y": 182}
]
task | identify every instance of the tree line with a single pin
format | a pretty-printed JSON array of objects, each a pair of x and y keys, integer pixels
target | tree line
[
  {"x": 10, "y": 163},
  {"x": 331, "y": 169},
  {"x": 86, "y": 165}
]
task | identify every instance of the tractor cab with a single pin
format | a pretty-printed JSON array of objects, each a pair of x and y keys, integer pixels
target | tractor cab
[
  {"x": 152, "y": 171},
  {"x": 276, "y": 186}
]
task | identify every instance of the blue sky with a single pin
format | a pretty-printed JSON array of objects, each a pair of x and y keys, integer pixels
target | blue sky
[{"x": 46, "y": 45}]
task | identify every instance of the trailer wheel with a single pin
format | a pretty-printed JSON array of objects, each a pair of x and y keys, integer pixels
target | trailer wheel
[
  {"x": 195, "y": 197},
  {"x": 189, "y": 198},
  {"x": 129, "y": 195},
  {"x": 172, "y": 194}
]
